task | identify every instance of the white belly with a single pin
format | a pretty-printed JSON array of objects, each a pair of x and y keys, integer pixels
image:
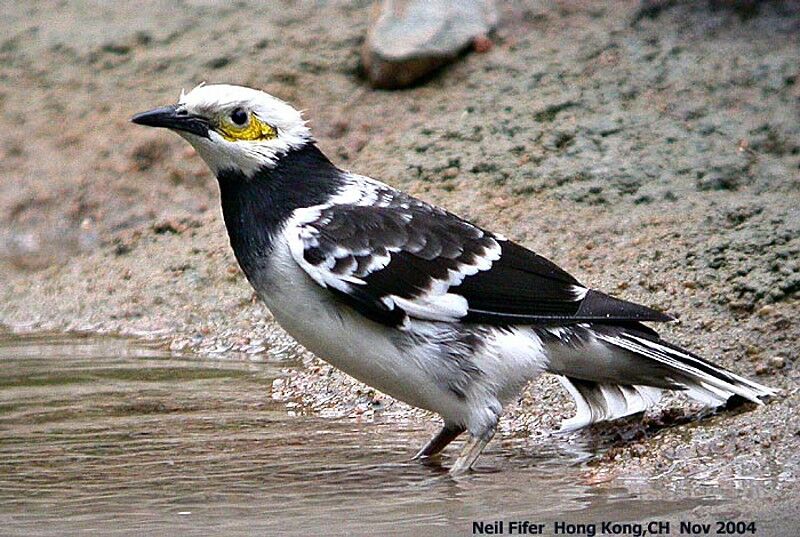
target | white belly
[
  {"x": 342, "y": 337},
  {"x": 394, "y": 362}
]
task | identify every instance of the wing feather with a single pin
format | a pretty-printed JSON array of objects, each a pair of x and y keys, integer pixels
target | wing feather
[{"x": 399, "y": 257}]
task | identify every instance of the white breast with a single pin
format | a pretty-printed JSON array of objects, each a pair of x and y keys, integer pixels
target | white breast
[
  {"x": 342, "y": 337},
  {"x": 390, "y": 359}
]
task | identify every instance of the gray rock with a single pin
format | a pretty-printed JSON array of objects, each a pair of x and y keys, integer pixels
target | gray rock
[{"x": 408, "y": 39}]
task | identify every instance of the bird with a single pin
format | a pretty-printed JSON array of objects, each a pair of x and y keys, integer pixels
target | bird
[{"x": 413, "y": 300}]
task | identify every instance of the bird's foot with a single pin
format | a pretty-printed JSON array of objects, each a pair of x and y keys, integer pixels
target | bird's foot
[
  {"x": 470, "y": 453},
  {"x": 439, "y": 442}
]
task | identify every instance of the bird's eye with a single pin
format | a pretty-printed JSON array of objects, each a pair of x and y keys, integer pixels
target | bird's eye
[
  {"x": 239, "y": 117},
  {"x": 239, "y": 125}
]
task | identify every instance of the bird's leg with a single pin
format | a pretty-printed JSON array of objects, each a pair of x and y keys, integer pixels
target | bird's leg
[
  {"x": 440, "y": 441},
  {"x": 471, "y": 451}
]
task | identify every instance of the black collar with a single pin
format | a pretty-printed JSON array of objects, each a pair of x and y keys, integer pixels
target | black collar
[{"x": 256, "y": 208}]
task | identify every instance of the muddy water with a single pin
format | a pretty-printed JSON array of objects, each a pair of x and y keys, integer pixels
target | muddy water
[{"x": 101, "y": 436}]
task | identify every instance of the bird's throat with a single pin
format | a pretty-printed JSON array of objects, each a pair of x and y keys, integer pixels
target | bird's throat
[{"x": 257, "y": 208}]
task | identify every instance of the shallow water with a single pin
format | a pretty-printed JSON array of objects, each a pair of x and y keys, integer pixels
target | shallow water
[{"x": 106, "y": 437}]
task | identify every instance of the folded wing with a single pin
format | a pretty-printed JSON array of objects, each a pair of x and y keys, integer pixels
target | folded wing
[{"x": 403, "y": 258}]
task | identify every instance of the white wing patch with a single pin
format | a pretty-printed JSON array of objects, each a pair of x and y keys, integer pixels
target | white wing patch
[
  {"x": 299, "y": 235},
  {"x": 345, "y": 269},
  {"x": 445, "y": 307}
]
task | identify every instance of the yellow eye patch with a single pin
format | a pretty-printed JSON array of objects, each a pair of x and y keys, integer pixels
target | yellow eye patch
[{"x": 254, "y": 129}]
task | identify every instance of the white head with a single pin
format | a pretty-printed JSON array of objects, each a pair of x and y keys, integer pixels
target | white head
[{"x": 233, "y": 127}]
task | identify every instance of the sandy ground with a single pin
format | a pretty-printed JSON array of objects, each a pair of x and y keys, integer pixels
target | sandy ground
[{"x": 653, "y": 150}]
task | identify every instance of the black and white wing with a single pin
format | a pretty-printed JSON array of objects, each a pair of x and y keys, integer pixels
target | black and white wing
[{"x": 398, "y": 257}]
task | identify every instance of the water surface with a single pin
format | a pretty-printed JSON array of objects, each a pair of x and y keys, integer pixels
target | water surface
[{"x": 102, "y": 436}]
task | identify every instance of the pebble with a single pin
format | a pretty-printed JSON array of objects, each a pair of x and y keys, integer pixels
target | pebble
[
  {"x": 450, "y": 173},
  {"x": 408, "y": 39},
  {"x": 766, "y": 311},
  {"x": 482, "y": 44},
  {"x": 777, "y": 362}
]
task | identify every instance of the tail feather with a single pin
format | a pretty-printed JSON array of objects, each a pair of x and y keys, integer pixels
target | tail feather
[
  {"x": 644, "y": 366},
  {"x": 703, "y": 380},
  {"x": 601, "y": 402}
]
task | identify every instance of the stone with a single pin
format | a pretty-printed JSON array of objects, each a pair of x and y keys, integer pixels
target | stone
[
  {"x": 777, "y": 362},
  {"x": 409, "y": 39}
]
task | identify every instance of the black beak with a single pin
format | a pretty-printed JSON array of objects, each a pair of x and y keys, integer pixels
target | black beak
[{"x": 173, "y": 117}]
